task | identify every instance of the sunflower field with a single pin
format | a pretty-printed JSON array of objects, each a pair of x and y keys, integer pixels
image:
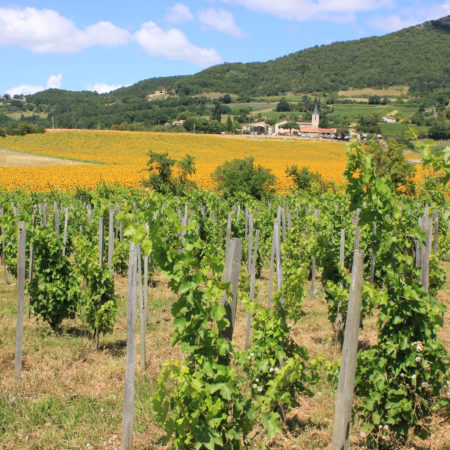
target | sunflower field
[{"x": 121, "y": 157}]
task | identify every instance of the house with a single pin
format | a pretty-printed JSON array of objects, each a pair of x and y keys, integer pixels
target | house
[
  {"x": 257, "y": 128},
  {"x": 178, "y": 123},
  {"x": 318, "y": 132},
  {"x": 389, "y": 119}
]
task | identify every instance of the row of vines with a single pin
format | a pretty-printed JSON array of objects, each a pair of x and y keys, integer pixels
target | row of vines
[{"x": 218, "y": 394}]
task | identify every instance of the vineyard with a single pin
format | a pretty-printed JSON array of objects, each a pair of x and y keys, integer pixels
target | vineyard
[
  {"x": 121, "y": 157},
  {"x": 310, "y": 319}
]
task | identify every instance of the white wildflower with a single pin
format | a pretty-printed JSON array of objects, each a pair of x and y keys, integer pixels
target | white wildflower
[
  {"x": 260, "y": 389},
  {"x": 418, "y": 359}
]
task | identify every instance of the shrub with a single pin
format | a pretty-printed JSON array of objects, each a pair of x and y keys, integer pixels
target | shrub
[
  {"x": 54, "y": 291},
  {"x": 242, "y": 176},
  {"x": 161, "y": 168}
]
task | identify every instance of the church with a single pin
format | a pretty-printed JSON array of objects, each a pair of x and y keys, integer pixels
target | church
[{"x": 309, "y": 129}]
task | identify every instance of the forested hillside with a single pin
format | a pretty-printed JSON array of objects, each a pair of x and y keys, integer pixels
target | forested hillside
[{"x": 417, "y": 58}]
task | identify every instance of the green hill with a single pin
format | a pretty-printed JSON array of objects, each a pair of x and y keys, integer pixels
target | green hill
[{"x": 417, "y": 57}]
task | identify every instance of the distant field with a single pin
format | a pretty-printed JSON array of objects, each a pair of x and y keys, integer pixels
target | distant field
[
  {"x": 255, "y": 106},
  {"x": 397, "y": 129},
  {"x": 392, "y": 91},
  {"x": 124, "y": 157},
  {"x": 356, "y": 110},
  {"x": 17, "y": 115}
]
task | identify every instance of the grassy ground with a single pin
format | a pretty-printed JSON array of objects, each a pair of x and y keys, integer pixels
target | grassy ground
[
  {"x": 70, "y": 396},
  {"x": 354, "y": 110}
]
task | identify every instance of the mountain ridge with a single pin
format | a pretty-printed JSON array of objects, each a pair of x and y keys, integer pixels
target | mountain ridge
[{"x": 327, "y": 67}]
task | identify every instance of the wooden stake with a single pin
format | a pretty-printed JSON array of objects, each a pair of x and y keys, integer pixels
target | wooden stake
[
  {"x": 425, "y": 255},
  {"x": 142, "y": 308},
  {"x": 101, "y": 240},
  {"x": 252, "y": 289},
  {"x": 372, "y": 256},
  {"x": 111, "y": 241},
  {"x": 128, "y": 400},
  {"x": 250, "y": 243},
  {"x": 232, "y": 270},
  {"x": 20, "y": 296},
  {"x": 344, "y": 401},
  {"x": 436, "y": 232},
  {"x": 272, "y": 256},
  {"x": 66, "y": 226},
  {"x": 56, "y": 210}
]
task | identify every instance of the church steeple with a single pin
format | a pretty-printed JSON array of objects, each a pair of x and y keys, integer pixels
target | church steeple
[{"x": 315, "y": 117}]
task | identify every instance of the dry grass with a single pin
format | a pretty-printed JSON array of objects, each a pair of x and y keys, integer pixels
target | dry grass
[
  {"x": 10, "y": 158},
  {"x": 392, "y": 91},
  {"x": 70, "y": 396}
]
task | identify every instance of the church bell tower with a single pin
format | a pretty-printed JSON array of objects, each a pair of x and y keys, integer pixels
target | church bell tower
[{"x": 315, "y": 118}]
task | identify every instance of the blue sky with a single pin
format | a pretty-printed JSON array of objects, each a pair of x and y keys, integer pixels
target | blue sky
[{"x": 104, "y": 44}]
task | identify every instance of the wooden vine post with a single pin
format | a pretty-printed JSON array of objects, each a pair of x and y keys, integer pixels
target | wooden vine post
[
  {"x": 231, "y": 274},
  {"x": 128, "y": 397},
  {"x": 20, "y": 296},
  {"x": 313, "y": 265},
  {"x": 272, "y": 256},
  {"x": 101, "y": 241},
  {"x": 344, "y": 401},
  {"x": 111, "y": 240},
  {"x": 252, "y": 289},
  {"x": 5, "y": 267}
]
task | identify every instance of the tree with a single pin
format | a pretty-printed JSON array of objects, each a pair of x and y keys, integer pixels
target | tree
[
  {"x": 161, "y": 180},
  {"x": 229, "y": 125},
  {"x": 242, "y": 176},
  {"x": 390, "y": 162},
  {"x": 216, "y": 113},
  {"x": 227, "y": 99},
  {"x": 439, "y": 130},
  {"x": 368, "y": 125},
  {"x": 283, "y": 105},
  {"x": 290, "y": 126},
  {"x": 305, "y": 179}
]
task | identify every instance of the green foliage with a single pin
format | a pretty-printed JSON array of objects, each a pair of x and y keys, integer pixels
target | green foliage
[
  {"x": 439, "y": 130},
  {"x": 400, "y": 379},
  {"x": 277, "y": 368},
  {"x": 216, "y": 396},
  {"x": 242, "y": 176},
  {"x": 390, "y": 162},
  {"x": 161, "y": 179},
  {"x": 99, "y": 304},
  {"x": 54, "y": 291},
  {"x": 368, "y": 124},
  {"x": 283, "y": 106},
  {"x": 305, "y": 179}
]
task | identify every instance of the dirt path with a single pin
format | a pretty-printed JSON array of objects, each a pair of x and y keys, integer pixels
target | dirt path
[{"x": 10, "y": 158}]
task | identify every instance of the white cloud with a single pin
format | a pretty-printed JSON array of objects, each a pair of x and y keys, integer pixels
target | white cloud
[
  {"x": 391, "y": 23},
  {"x": 102, "y": 88},
  {"x": 413, "y": 17},
  {"x": 220, "y": 20},
  {"x": 53, "y": 82},
  {"x": 24, "y": 89},
  {"x": 303, "y": 10},
  {"x": 45, "y": 31},
  {"x": 174, "y": 44},
  {"x": 179, "y": 13}
]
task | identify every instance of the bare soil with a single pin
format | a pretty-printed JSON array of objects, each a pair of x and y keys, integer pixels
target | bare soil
[{"x": 11, "y": 158}]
